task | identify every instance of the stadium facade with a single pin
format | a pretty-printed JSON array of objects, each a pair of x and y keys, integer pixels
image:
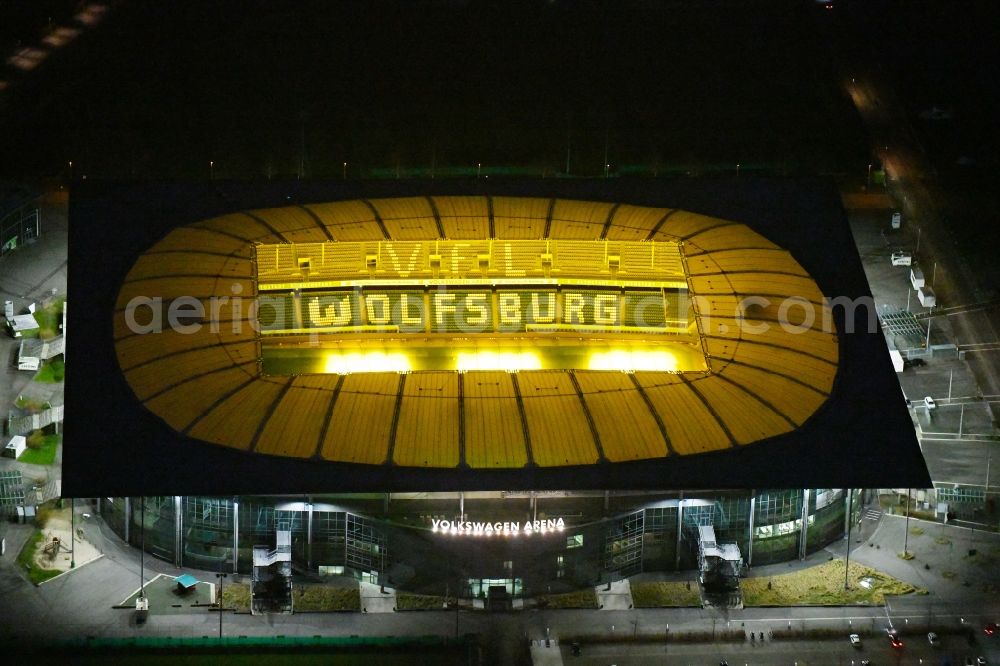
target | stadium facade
[{"x": 544, "y": 542}]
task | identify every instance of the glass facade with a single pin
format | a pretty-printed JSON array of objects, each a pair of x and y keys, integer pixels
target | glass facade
[{"x": 602, "y": 538}]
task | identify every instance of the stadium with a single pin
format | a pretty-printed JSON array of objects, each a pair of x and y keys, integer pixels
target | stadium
[
  {"x": 540, "y": 332},
  {"x": 520, "y": 388}
]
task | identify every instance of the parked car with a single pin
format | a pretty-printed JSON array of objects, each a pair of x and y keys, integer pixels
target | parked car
[
  {"x": 929, "y": 403},
  {"x": 933, "y": 639},
  {"x": 855, "y": 640}
]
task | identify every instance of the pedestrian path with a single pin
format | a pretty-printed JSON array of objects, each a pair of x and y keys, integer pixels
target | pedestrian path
[
  {"x": 616, "y": 596},
  {"x": 375, "y": 599},
  {"x": 546, "y": 652},
  {"x": 872, "y": 514}
]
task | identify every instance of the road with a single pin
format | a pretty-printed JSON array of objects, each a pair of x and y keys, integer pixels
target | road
[
  {"x": 916, "y": 650},
  {"x": 911, "y": 178}
]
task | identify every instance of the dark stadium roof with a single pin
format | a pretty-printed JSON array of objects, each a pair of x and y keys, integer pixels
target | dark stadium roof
[{"x": 813, "y": 409}]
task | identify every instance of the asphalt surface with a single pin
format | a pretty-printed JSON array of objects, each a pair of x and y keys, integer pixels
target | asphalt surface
[
  {"x": 913, "y": 184},
  {"x": 803, "y": 653},
  {"x": 958, "y": 436}
]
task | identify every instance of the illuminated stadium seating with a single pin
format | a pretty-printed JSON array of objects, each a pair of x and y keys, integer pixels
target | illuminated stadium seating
[{"x": 210, "y": 386}]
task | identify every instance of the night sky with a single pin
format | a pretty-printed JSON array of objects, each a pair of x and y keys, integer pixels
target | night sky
[{"x": 160, "y": 89}]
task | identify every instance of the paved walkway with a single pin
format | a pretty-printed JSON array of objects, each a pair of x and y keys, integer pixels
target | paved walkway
[
  {"x": 375, "y": 599},
  {"x": 616, "y": 596}
]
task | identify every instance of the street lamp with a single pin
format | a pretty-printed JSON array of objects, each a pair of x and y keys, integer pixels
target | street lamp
[
  {"x": 868, "y": 180},
  {"x": 345, "y": 170},
  {"x": 221, "y": 577},
  {"x": 211, "y": 169},
  {"x": 479, "y": 169},
  {"x": 906, "y": 528},
  {"x": 142, "y": 548},
  {"x": 71, "y": 169}
]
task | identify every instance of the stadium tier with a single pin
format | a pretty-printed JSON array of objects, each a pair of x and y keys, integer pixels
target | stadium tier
[{"x": 474, "y": 332}]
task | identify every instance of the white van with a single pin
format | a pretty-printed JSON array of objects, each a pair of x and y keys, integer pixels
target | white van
[{"x": 902, "y": 259}]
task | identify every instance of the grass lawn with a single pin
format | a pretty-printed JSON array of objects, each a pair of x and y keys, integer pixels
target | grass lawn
[
  {"x": 407, "y": 601},
  {"x": 49, "y": 319},
  {"x": 26, "y": 560},
  {"x": 52, "y": 371},
  {"x": 326, "y": 598},
  {"x": 824, "y": 585},
  {"x": 45, "y": 454},
  {"x": 579, "y": 599},
  {"x": 236, "y": 596},
  {"x": 664, "y": 594}
]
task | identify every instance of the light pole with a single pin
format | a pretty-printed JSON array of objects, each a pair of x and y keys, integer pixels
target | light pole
[
  {"x": 868, "y": 179},
  {"x": 906, "y": 532},
  {"x": 989, "y": 456},
  {"x": 72, "y": 533},
  {"x": 850, "y": 521},
  {"x": 737, "y": 169},
  {"x": 211, "y": 169},
  {"x": 71, "y": 169},
  {"x": 479, "y": 169},
  {"x": 345, "y": 170},
  {"x": 142, "y": 548},
  {"x": 221, "y": 577}
]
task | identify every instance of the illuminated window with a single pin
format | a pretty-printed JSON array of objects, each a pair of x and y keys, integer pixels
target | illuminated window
[{"x": 575, "y": 541}]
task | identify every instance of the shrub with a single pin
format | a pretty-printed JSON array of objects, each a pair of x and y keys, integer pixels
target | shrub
[
  {"x": 407, "y": 601},
  {"x": 326, "y": 598},
  {"x": 236, "y": 596},
  {"x": 44, "y": 514},
  {"x": 35, "y": 440},
  {"x": 580, "y": 599},
  {"x": 664, "y": 594}
]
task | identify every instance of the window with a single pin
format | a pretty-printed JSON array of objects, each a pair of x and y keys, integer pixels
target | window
[{"x": 575, "y": 541}]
